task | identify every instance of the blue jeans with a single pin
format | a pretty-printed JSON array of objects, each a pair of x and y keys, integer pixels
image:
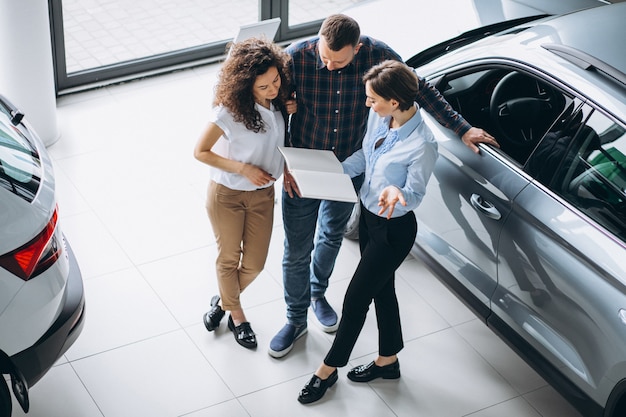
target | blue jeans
[{"x": 305, "y": 276}]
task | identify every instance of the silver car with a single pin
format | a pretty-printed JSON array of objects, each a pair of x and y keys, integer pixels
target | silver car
[
  {"x": 532, "y": 236},
  {"x": 41, "y": 288}
]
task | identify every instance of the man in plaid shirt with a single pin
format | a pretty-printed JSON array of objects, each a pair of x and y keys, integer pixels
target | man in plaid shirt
[{"x": 331, "y": 114}]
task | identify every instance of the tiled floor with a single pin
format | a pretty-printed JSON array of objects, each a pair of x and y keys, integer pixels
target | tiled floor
[{"x": 132, "y": 203}]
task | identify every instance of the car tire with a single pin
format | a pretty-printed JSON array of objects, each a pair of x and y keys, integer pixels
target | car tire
[
  {"x": 352, "y": 228},
  {"x": 5, "y": 399}
]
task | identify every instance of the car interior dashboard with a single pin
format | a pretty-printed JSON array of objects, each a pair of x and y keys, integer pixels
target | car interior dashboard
[{"x": 516, "y": 108}]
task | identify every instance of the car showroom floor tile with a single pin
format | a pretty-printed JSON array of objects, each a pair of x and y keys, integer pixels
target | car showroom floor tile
[
  {"x": 160, "y": 376},
  {"x": 437, "y": 368},
  {"x": 123, "y": 309},
  {"x": 60, "y": 394},
  {"x": 521, "y": 377}
]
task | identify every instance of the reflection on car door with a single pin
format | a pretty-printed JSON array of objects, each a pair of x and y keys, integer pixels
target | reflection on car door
[
  {"x": 468, "y": 198},
  {"x": 561, "y": 282}
]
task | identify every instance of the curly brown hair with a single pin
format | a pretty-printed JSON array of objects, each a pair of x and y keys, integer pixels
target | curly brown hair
[{"x": 247, "y": 60}]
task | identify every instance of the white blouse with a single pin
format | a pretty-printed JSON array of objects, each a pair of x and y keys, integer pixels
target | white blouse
[{"x": 243, "y": 145}]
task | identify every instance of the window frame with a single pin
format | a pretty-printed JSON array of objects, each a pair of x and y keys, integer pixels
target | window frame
[{"x": 161, "y": 63}]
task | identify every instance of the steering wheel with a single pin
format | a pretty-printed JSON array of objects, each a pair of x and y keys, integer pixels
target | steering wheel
[{"x": 522, "y": 108}]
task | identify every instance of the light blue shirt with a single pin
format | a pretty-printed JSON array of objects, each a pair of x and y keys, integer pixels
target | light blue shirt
[{"x": 406, "y": 159}]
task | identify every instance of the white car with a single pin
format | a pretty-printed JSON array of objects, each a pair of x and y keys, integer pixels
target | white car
[{"x": 41, "y": 288}]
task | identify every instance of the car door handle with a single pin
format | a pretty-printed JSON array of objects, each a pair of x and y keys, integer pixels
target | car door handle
[{"x": 485, "y": 207}]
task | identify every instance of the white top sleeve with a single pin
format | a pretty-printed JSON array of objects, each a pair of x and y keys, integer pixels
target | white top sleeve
[{"x": 243, "y": 145}]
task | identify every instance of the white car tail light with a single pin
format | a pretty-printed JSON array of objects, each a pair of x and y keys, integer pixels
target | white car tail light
[{"x": 36, "y": 256}]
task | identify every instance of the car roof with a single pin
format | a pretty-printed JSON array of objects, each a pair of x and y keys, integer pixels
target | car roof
[
  {"x": 409, "y": 26},
  {"x": 597, "y": 33},
  {"x": 595, "y": 68}
]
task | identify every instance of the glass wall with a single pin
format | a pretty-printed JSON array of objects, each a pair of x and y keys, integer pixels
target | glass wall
[
  {"x": 105, "y": 32},
  {"x": 96, "y": 42},
  {"x": 305, "y": 11}
]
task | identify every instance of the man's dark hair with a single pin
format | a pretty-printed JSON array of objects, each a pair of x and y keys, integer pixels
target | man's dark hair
[{"x": 340, "y": 31}]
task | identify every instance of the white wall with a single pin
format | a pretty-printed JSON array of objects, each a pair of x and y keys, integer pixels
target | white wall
[{"x": 26, "y": 71}]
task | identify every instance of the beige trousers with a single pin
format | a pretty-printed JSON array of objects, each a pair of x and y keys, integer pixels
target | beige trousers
[{"x": 242, "y": 222}]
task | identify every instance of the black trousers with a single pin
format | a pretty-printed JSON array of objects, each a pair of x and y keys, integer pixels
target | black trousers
[{"x": 384, "y": 245}]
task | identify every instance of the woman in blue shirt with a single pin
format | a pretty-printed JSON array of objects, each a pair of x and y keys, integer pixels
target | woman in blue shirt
[{"x": 398, "y": 157}]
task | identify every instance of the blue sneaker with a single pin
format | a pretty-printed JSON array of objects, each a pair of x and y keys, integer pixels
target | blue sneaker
[
  {"x": 325, "y": 314},
  {"x": 282, "y": 343}
]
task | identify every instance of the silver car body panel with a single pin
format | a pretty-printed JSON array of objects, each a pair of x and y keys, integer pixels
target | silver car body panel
[
  {"x": 561, "y": 252},
  {"x": 28, "y": 308},
  {"x": 20, "y": 220},
  {"x": 462, "y": 239},
  {"x": 500, "y": 234}
]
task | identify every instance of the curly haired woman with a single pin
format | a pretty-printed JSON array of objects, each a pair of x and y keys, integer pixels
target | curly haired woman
[{"x": 251, "y": 106}]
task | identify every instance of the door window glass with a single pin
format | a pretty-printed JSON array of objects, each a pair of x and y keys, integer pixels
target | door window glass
[
  {"x": 516, "y": 108},
  {"x": 594, "y": 177}
]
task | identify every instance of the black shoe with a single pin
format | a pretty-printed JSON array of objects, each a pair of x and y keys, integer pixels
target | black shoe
[
  {"x": 213, "y": 317},
  {"x": 243, "y": 333},
  {"x": 316, "y": 388},
  {"x": 366, "y": 373}
]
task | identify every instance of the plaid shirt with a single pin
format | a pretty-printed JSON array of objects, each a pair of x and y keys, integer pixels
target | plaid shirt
[{"x": 332, "y": 114}]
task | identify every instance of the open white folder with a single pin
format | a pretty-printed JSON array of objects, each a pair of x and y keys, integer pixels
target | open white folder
[{"x": 319, "y": 174}]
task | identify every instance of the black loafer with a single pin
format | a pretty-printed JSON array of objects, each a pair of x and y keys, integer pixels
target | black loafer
[
  {"x": 213, "y": 317},
  {"x": 366, "y": 373},
  {"x": 243, "y": 333},
  {"x": 316, "y": 388}
]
